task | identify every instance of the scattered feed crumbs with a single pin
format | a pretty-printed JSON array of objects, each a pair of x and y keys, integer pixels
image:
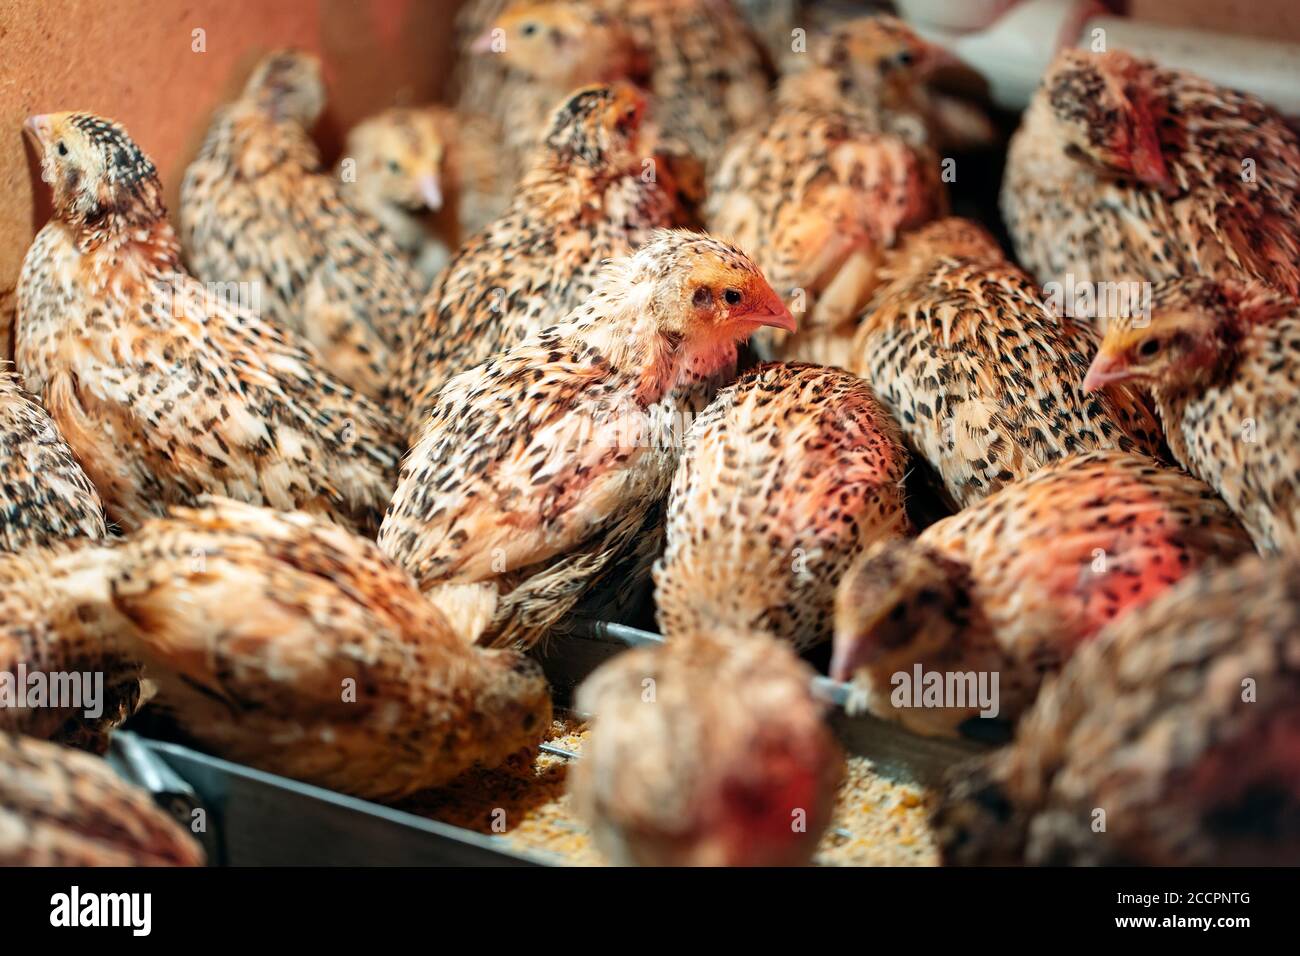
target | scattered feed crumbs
[{"x": 523, "y": 804}]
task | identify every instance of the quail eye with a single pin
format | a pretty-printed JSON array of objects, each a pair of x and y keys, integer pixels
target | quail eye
[
  {"x": 529, "y": 29},
  {"x": 732, "y": 296},
  {"x": 1149, "y": 348},
  {"x": 702, "y": 297},
  {"x": 63, "y": 149},
  {"x": 906, "y": 58},
  {"x": 394, "y": 166}
]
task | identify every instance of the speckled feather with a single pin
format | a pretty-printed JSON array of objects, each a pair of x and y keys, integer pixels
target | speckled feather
[
  {"x": 257, "y": 206},
  {"x": 1015, "y": 583},
  {"x": 297, "y": 647},
  {"x": 1232, "y": 204},
  {"x": 63, "y": 808},
  {"x": 163, "y": 393},
  {"x": 782, "y": 482},
  {"x": 538, "y": 468},
  {"x": 584, "y": 201},
  {"x": 1225, "y": 376},
  {"x": 1181, "y": 722},
  {"x": 985, "y": 381},
  {"x": 45, "y": 495}
]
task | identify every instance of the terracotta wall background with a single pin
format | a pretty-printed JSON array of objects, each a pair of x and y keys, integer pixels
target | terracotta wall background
[{"x": 134, "y": 61}]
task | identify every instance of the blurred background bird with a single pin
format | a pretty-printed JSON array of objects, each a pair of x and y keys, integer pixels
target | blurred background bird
[
  {"x": 59, "y": 807},
  {"x": 164, "y": 391},
  {"x": 1177, "y": 730},
  {"x": 1014, "y": 584},
  {"x": 45, "y": 495},
  {"x": 57, "y": 621},
  {"x": 781, "y": 483},
  {"x": 1222, "y": 361},
  {"x": 537, "y": 469},
  {"x": 1125, "y": 170},
  {"x": 820, "y": 190},
  {"x": 428, "y": 175},
  {"x": 295, "y": 646},
  {"x": 259, "y": 207},
  {"x": 707, "y": 751},
  {"x": 985, "y": 380},
  {"x": 584, "y": 201}
]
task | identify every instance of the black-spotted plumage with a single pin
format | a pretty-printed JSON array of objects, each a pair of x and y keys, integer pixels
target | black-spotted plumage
[
  {"x": 782, "y": 481},
  {"x": 45, "y": 495},
  {"x": 584, "y": 201},
  {"x": 259, "y": 208},
  {"x": 1126, "y": 170},
  {"x": 538, "y": 469},
  {"x": 1170, "y": 740},
  {"x": 986, "y": 382}
]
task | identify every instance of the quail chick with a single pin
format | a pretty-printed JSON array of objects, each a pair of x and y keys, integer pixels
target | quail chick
[
  {"x": 258, "y": 207},
  {"x": 1177, "y": 729},
  {"x": 44, "y": 494},
  {"x": 162, "y": 391},
  {"x": 1222, "y": 361},
  {"x": 1125, "y": 170},
  {"x": 781, "y": 483},
  {"x": 985, "y": 381},
  {"x": 538, "y": 468},
  {"x": 297, "y": 647},
  {"x": 59, "y": 629},
  {"x": 817, "y": 194},
  {"x": 584, "y": 201},
  {"x": 63, "y": 808},
  {"x": 706, "y": 751},
  {"x": 551, "y": 48},
  {"x": 1011, "y": 586},
  {"x": 427, "y": 175}
]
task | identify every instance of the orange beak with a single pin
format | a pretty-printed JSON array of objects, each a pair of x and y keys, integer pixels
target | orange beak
[
  {"x": 1104, "y": 370},
  {"x": 774, "y": 319}
]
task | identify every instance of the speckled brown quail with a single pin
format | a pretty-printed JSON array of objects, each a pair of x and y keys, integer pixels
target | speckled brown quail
[
  {"x": 538, "y": 469},
  {"x": 258, "y": 207},
  {"x": 706, "y": 751},
  {"x": 1170, "y": 740},
  {"x": 295, "y": 646},
  {"x": 56, "y": 621},
  {"x": 45, "y": 495},
  {"x": 427, "y": 174},
  {"x": 1125, "y": 170},
  {"x": 985, "y": 381},
  {"x": 1222, "y": 361},
  {"x": 59, "y": 807},
  {"x": 817, "y": 193},
  {"x": 163, "y": 391},
  {"x": 583, "y": 202},
  {"x": 1014, "y": 584},
  {"x": 782, "y": 481}
]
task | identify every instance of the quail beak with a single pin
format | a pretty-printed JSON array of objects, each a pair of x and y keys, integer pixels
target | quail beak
[
  {"x": 430, "y": 191},
  {"x": 1104, "y": 370},
  {"x": 1149, "y": 166},
  {"x": 935, "y": 58},
  {"x": 770, "y": 312},
  {"x": 40, "y": 128},
  {"x": 851, "y": 653},
  {"x": 484, "y": 42}
]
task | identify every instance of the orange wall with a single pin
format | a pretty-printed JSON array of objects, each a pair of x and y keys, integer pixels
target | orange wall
[{"x": 133, "y": 60}]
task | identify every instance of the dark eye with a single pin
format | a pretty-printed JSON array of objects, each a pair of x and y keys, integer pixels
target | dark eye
[
  {"x": 529, "y": 29},
  {"x": 63, "y": 149},
  {"x": 732, "y": 296},
  {"x": 906, "y": 58},
  {"x": 394, "y": 166},
  {"x": 702, "y": 297},
  {"x": 1149, "y": 348}
]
